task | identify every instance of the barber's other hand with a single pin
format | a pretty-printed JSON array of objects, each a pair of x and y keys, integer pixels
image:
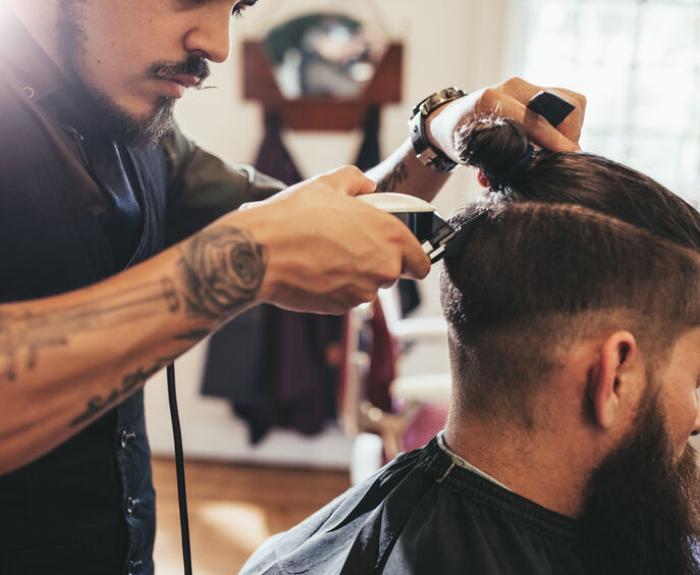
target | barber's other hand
[
  {"x": 328, "y": 251},
  {"x": 510, "y": 100}
]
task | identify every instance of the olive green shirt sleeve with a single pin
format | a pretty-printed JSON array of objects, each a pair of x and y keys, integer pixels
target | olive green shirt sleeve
[{"x": 202, "y": 187}]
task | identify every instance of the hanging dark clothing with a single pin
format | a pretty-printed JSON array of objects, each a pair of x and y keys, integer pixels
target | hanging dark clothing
[
  {"x": 76, "y": 208},
  {"x": 370, "y": 154},
  {"x": 273, "y": 156},
  {"x": 422, "y": 515},
  {"x": 299, "y": 386},
  {"x": 382, "y": 361},
  {"x": 271, "y": 364}
]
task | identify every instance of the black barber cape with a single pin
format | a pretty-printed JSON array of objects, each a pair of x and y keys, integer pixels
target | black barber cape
[
  {"x": 424, "y": 515},
  {"x": 76, "y": 208}
]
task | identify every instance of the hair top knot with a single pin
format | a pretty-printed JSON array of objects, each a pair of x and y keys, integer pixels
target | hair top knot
[
  {"x": 519, "y": 166},
  {"x": 499, "y": 147}
]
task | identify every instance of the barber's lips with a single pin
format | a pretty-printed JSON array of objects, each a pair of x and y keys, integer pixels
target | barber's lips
[{"x": 176, "y": 85}]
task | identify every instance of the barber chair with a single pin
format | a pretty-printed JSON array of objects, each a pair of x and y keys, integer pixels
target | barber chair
[{"x": 418, "y": 403}]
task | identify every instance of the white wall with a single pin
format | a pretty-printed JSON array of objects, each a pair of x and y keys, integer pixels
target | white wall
[{"x": 448, "y": 42}]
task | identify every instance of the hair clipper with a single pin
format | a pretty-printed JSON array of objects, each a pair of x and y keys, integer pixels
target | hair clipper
[
  {"x": 422, "y": 219},
  {"x": 437, "y": 236}
]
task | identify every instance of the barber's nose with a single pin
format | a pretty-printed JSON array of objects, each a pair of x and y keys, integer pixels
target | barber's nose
[
  {"x": 211, "y": 34},
  {"x": 696, "y": 427}
]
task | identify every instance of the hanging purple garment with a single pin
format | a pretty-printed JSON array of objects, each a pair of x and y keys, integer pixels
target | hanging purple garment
[
  {"x": 273, "y": 157},
  {"x": 292, "y": 386},
  {"x": 370, "y": 154},
  {"x": 306, "y": 386}
]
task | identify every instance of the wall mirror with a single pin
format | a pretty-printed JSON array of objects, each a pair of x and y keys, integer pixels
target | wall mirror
[
  {"x": 323, "y": 54},
  {"x": 323, "y": 70}
]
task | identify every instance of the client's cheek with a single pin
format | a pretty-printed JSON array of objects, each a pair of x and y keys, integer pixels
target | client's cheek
[
  {"x": 687, "y": 473},
  {"x": 680, "y": 446},
  {"x": 683, "y": 450},
  {"x": 681, "y": 420}
]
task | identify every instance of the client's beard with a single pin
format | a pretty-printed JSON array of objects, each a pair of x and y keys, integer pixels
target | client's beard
[
  {"x": 105, "y": 115},
  {"x": 641, "y": 510}
]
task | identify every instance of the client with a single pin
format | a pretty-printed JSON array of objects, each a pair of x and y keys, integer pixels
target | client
[{"x": 573, "y": 307}]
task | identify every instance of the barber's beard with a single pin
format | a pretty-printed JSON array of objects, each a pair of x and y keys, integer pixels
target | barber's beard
[
  {"x": 104, "y": 113},
  {"x": 123, "y": 128},
  {"x": 641, "y": 511}
]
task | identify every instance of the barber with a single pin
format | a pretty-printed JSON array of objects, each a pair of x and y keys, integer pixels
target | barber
[{"x": 121, "y": 247}]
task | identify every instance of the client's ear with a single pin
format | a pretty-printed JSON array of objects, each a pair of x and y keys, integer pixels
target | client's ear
[
  {"x": 482, "y": 179},
  {"x": 614, "y": 382}
]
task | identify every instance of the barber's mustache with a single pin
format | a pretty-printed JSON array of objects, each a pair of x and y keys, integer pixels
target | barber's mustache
[{"x": 194, "y": 66}]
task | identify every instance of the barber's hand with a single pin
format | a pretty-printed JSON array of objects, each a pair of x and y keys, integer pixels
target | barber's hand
[
  {"x": 327, "y": 250},
  {"x": 510, "y": 100}
]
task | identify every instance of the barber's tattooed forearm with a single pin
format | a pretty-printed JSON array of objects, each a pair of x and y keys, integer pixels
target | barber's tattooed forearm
[
  {"x": 392, "y": 181},
  {"x": 99, "y": 404},
  {"x": 194, "y": 335},
  {"x": 222, "y": 270},
  {"x": 219, "y": 272},
  {"x": 23, "y": 337}
]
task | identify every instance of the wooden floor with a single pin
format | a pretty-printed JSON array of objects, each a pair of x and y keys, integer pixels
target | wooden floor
[{"x": 233, "y": 509}]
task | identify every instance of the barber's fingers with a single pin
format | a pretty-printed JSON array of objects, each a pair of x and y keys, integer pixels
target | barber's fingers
[
  {"x": 350, "y": 180},
  {"x": 398, "y": 251},
  {"x": 498, "y": 99},
  {"x": 538, "y": 128},
  {"x": 251, "y": 206},
  {"x": 555, "y": 139},
  {"x": 524, "y": 91},
  {"x": 415, "y": 263},
  {"x": 574, "y": 98},
  {"x": 572, "y": 125}
]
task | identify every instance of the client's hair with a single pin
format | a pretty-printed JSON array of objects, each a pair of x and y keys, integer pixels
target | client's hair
[
  {"x": 497, "y": 145},
  {"x": 569, "y": 246}
]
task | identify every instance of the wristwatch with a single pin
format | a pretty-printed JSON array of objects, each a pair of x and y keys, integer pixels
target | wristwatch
[{"x": 427, "y": 154}]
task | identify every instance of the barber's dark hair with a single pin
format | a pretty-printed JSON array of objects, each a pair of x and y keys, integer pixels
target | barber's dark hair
[{"x": 571, "y": 245}]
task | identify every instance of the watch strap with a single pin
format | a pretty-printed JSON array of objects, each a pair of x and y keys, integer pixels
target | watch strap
[{"x": 425, "y": 152}]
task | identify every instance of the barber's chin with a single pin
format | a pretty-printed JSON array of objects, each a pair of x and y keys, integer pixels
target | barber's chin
[{"x": 159, "y": 110}]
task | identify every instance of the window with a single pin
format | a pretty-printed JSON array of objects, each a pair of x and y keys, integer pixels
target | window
[{"x": 638, "y": 62}]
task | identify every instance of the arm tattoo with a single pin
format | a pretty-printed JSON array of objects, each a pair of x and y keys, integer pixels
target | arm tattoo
[
  {"x": 394, "y": 179},
  {"x": 97, "y": 404},
  {"x": 26, "y": 334},
  {"x": 223, "y": 269}
]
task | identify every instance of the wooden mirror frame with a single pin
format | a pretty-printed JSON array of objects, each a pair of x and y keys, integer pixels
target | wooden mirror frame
[{"x": 320, "y": 113}]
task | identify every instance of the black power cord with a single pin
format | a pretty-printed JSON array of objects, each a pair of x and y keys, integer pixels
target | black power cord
[{"x": 180, "y": 470}]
